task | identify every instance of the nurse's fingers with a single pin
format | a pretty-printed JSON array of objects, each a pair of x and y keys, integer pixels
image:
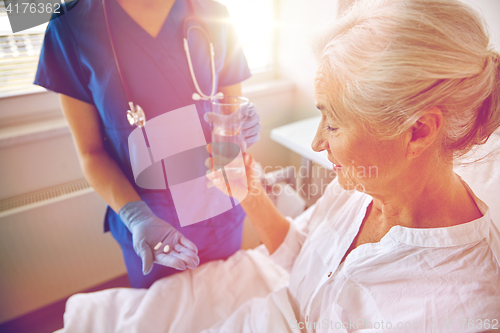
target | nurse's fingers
[
  {"x": 209, "y": 117},
  {"x": 252, "y": 130},
  {"x": 249, "y": 111},
  {"x": 193, "y": 259},
  {"x": 144, "y": 251},
  {"x": 170, "y": 261},
  {"x": 252, "y": 139},
  {"x": 184, "y": 250},
  {"x": 250, "y": 122},
  {"x": 190, "y": 261},
  {"x": 248, "y": 125},
  {"x": 188, "y": 244}
]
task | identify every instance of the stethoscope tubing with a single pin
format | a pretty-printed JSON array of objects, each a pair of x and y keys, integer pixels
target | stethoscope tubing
[
  {"x": 201, "y": 95},
  {"x": 115, "y": 55}
]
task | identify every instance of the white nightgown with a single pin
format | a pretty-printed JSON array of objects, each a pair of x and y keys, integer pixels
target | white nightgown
[{"x": 413, "y": 280}]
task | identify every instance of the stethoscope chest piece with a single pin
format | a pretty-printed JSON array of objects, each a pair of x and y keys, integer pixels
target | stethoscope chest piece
[{"x": 136, "y": 116}]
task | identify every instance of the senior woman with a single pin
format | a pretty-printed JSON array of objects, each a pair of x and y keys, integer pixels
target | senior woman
[{"x": 398, "y": 241}]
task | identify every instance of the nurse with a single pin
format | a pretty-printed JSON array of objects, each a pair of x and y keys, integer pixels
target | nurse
[{"x": 77, "y": 62}]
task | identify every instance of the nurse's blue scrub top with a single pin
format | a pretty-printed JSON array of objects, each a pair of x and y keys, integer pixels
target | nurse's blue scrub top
[{"x": 77, "y": 60}]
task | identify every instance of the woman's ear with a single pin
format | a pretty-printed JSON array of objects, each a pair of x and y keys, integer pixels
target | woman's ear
[{"x": 424, "y": 132}]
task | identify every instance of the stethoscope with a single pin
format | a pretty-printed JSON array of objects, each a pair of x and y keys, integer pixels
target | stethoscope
[{"x": 136, "y": 116}]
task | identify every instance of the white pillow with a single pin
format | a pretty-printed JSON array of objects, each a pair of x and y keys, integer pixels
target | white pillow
[{"x": 484, "y": 177}]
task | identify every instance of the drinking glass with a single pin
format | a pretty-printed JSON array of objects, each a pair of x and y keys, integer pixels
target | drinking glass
[{"x": 227, "y": 138}]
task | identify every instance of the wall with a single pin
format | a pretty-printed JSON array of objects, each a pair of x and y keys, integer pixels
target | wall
[
  {"x": 52, "y": 251},
  {"x": 298, "y": 22}
]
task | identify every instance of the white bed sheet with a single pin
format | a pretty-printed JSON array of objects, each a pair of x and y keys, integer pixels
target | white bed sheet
[{"x": 190, "y": 301}]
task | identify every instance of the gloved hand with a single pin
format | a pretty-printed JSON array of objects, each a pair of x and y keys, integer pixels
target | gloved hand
[
  {"x": 148, "y": 230},
  {"x": 250, "y": 123}
]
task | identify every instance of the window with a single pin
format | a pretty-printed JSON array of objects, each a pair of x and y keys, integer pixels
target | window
[
  {"x": 254, "y": 23},
  {"x": 253, "y": 20},
  {"x": 18, "y": 57}
]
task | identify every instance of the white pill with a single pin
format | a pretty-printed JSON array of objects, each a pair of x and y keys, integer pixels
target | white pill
[
  {"x": 157, "y": 246},
  {"x": 166, "y": 248}
]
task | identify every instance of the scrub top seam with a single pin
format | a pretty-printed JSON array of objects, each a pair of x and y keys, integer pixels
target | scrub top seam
[{"x": 189, "y": 82}]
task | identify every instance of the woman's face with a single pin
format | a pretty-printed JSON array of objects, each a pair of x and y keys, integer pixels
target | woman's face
[{"x": 361, "y": 160}]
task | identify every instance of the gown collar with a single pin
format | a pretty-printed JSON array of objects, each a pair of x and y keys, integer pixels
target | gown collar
[{"x": 465, "y": 233}]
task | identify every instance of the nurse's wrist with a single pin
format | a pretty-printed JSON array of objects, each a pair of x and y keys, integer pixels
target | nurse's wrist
[
  {"x": 117, "y": 202},
  {"x": 134, "y": 211}
]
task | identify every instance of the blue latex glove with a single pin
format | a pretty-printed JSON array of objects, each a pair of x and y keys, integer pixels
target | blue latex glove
[
  {"x": 250, "y": 123},
  {"x": 148, "y": 230}
]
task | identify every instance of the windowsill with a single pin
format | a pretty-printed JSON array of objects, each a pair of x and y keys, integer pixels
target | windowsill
[
  {"x": 256, "y": 89},
  {"x": 34, "y": 90},
  {"x": 35, "y": 125}
]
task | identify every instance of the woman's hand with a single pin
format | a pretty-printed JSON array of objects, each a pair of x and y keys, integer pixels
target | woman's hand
[
  {"x": 271, "y": 226},
  {"x": 242, "y": 176}
]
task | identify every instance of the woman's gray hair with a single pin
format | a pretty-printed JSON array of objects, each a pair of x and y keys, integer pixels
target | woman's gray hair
[{"x": 388, "y": 61}]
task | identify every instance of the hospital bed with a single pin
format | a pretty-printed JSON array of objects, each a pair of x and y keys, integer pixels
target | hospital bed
[{"x": 213, "y": 291}]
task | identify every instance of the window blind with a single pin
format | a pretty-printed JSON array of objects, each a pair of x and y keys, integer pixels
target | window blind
[{"x": 18, "y": 58}]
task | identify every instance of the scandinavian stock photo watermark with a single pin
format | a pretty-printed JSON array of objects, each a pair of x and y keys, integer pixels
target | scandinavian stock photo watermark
[
  {"x": 462, "y": 324},
  {"x": 303, "y": 176}
]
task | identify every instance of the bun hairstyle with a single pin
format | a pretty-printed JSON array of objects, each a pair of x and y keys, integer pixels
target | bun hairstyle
[{"x": 388, "y": 61}]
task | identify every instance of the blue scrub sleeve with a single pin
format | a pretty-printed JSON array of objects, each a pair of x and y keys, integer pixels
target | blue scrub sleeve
[
  {"x": 59, "y": 66},
  {"x": 235, "y": 67}
]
